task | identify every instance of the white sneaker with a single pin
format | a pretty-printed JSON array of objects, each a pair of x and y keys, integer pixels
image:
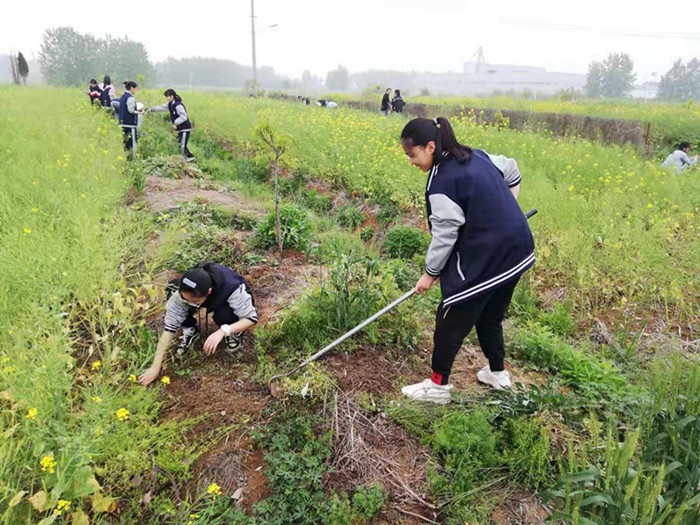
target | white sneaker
[
  {"x": 428, "y": 391},
  {"x": 498, "y": 380}
]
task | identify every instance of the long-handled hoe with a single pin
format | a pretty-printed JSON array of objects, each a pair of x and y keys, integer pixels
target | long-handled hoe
[{"x": 359, "y": 327}]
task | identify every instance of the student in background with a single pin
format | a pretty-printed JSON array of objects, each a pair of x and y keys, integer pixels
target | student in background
[
  {"x": 679, "y": 159},
  {"x": 128, "y": 115},
  {"x": 94, "y": 92},
  {"x": 397, "y": 103},
  {"x": 180, "y": 120},
  {"x": 386, "y": 102}
]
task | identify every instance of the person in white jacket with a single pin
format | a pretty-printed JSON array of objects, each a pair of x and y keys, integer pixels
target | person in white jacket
[{"x": 679, "y": 159}]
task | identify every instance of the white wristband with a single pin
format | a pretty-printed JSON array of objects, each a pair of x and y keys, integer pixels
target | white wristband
[{"x": 226, "y": 329}]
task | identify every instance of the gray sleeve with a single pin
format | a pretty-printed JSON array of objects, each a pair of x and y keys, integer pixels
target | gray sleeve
[
  {"x": 175, "y": 312},
  {"x": 241, "y": 302},
  {"x": 509, "y": 168},
  {"x": 446, "y": 218},
  {"x": 181, "y": 115},
  {"x": 131, "y": 105},
  {"x": 685, "y": 159},
  {"x": 164, "y": 107}
]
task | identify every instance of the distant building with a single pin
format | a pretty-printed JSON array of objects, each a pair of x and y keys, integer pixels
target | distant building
[
  {"x": 476, "y": 78},
  {"x": 479, "y": 78}
]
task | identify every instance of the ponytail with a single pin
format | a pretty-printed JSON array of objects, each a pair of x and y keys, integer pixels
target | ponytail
[
  {"x": 420, "y": 131},
  {"x": 172, "y": 93}
]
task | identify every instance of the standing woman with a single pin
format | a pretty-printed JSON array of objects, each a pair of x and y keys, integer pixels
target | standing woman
[
  {"x": 180, "y": 120},
  {"x": 128, "y": 115},
  {"x": 386, "y": 102},
  {"x": 481, "y": 244}
]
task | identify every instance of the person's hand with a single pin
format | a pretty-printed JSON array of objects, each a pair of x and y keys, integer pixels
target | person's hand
[
  {"x": 213, "y": 341},
  {"x": 424, "y": 283},
  {"x": 175, "y": 127},
  {"x": 149, "y": 376}
]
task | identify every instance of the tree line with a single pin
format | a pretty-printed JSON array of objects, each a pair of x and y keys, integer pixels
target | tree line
[
  {"x": 69, "y": 58},
  {"x": 614, "y": 77}
]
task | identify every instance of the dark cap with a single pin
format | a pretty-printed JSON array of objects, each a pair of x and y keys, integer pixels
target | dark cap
[{"x": 195, "y": 280}]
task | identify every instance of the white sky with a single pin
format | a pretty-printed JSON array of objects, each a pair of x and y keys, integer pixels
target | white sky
[{"x": 379, "y": 34}]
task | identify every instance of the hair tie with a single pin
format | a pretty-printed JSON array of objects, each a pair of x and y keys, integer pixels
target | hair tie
[{"x": 437, "y": 124}]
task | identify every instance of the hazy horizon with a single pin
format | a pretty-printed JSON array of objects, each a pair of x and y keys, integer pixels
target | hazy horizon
[{"x": 382, "y": 35}]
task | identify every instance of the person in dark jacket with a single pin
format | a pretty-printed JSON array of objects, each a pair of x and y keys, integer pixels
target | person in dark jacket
[
  {"x": 94, "y": 92},
  {"x": 224, "y": 293},
  {"x": 397, "y": 103},
  {"x": 108, "y": 94},
  {"x": 180, "y": 119},
  {"x": 481, "y": 244},
  {"x": 128, "y": 115},
  {"x": 386, "y": 102}
]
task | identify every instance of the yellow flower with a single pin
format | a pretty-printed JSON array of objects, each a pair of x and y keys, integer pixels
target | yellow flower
[
  {"x": 122, "y": 414},
  {"x": 48, "y": 464},
  {"x": 96, "y": 365},
  {"x": 32, "y": 413},
  {"x": 214, "y": 490},
  {"x": 63, "y": 505},
  {"x": 132, "y": 378},
  {"x": 165, "y": 380},
  {"x": 35, "y": 210},
  {"x": 27, "y": 231},
  {"x": 96, "y": 399}
]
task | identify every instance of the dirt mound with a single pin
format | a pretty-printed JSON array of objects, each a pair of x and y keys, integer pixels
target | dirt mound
[
  {"x": 221, "y": 401},
  {"x": 163, "y": 194},
  {"x": 370, "y": 449}
]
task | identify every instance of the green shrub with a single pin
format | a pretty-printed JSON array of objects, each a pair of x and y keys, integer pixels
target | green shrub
[
  {"x": 367, "y": 234},
  {"x": 368, "y": 501},
  {"x": 529, "y": 456},
  {"x": 295, "y": 226},
  {"x": 296, "y": 456},
  {"x": 350, "y": 216},
  {"x": 316, "y": 201},
  {"x": 540, "y": 347},
  {"x": 340, "y": 511},
  {"x": 466, "y": 444},
  {"x": 559, "y": 320},
  {"x": 404, "y": 241},
  {"x": 620, "y": 491},
  {"x": 352, "y": 291}
]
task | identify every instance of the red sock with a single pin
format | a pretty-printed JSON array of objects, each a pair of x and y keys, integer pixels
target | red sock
[{"x": 436, "y": 378}]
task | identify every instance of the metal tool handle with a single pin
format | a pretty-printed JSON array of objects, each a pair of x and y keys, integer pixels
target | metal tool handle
[
  {"x": 349, "y": 334},
  {"x": 529, "y": 214}
]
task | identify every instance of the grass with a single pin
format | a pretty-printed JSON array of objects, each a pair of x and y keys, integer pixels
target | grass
[
  {"x": 69, "y": 314},
  {"x": 612, "y": 434},
  {"x": 600, "y": 207}
]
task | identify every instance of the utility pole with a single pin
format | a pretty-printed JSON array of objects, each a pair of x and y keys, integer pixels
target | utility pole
[{"x": 252, "y": 35}]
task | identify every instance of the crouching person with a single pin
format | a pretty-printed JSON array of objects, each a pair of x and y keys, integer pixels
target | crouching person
[{"x": 224, "y": 293}]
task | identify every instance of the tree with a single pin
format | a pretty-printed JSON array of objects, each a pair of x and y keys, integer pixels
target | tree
[
  {"x": 681, "y": 82},
  {"x": 278, "y": 145},
  {"x": 22, "y": 68},
  {"x": 613, "y": 78},
  {"x": 594, "y": 80},
  {"x": 619, "y": 77},
  {"x": 338, "y": 79},
  {"x": 69, "y": 58}
]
